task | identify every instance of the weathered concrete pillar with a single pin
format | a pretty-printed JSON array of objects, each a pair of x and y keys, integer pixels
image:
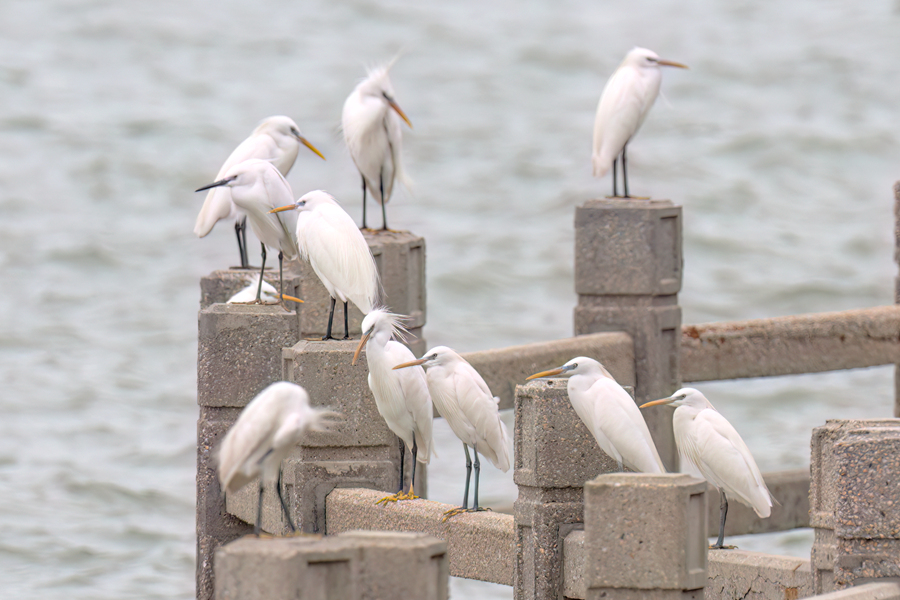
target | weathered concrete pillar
[
  {"x": 351, "y": 566},
  {"x": 854, "y": 502},
  {"x": 359, "y": 451},
  {"x": 897, "y": 288},
  {"x": 628, "y": 266},
  {"x": 554, "y": 455},
  {"x": 645, "y": 536},
  {"x": 239, "y": 354}
]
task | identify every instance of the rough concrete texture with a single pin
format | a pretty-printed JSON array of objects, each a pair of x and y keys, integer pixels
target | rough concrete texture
[
  {"x": 791, "y": 345},
  {"x": 623, "y": 594},
  {"x": 789, "y": 488},
  {"x": 480, "y": 545},
  {"x": 627, "y": 247},
  {"x": 505, "y": 368},
  {"x": 645, "y": 532},
  {"x": 353, "y": 566},
  {"x": 553, "y": 447},
  {"x": 239, "y": 351},
  {"x": 869, "y": 591},
  {"x": 574, "y": 585},
  {"x": 855, "y": 467},
  {"x": 736, "y": 574},
  {"x": 897, "y": 289}
]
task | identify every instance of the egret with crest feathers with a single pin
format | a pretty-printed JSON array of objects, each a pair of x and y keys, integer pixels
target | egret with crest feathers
[
  {"x": 624, "y": 105},
  {"x": 267, "y": 430},
  {"x": 402, "y": 396},
  {"x": 609, "y": 414},
  {"x": 464, "y": 400},
  {"x": 373, "y": 134},
  {"x": 338, "y": 253},
  {"x": 710, "y": 448},
  {"x": 276, "y": 139}
]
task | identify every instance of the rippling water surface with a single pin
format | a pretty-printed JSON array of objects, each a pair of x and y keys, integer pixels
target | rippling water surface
[{"x": 780, "y": 142}]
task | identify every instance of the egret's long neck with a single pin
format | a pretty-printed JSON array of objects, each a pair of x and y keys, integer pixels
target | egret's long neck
[{"x": 581, "y": 382}]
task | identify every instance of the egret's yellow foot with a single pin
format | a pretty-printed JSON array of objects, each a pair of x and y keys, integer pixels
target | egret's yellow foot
[
  {"x": 723, "y": 547},
  {"x": 459, "y": 510},
  {"x": 410, "y": 495}
]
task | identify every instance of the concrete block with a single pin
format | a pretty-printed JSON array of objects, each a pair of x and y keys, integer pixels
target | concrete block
[
  {"x": 756, "y": 576},
  {"x": 645, "y": 532},
  {"x": 505, "y": 368},
  {"x": 869, "y": 591},
  {"x": 239, "y": 351},
  {"x": 480, "y": 545},
  {"x": 553, "y": 447},
  {"x": 573, "y": 565},
  {"x": 627, "y": 247},
  {"x": 353, "y": 566}
]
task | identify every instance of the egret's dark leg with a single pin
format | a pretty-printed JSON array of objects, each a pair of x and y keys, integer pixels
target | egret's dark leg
[
  {"x": 723, "y": 511},
  {"x": 364, "y": 202},
  {"x": 412, "y": 479},
  {"x": 465, "y": 503},
  {"x": 383, "y": 210},
  {"x": 258, "y": 527},
  {"x": 239, "y": 228},
  {"x": 477, "y": 475},
  {"x": 625, "y": 170},
  {"x": 346, "y": 326},
  {"x": 287, "y": 514},
  {"x": 261, "y": 271},
  {"x": 327, "y": 335},
  {"x": 281, "y": 278},
  {"x": 402, "y": 459},
  {"x": 614, "y": 170}
]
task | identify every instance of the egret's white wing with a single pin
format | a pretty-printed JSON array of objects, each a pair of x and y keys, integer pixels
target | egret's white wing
[{"x": 480, "y": 409}]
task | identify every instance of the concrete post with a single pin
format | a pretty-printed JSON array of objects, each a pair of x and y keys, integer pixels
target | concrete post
[
  {"x": 854, "y": 507},
  {"x": 351, "y": 566},
  {"x": 554, "y": 455},
  {"x": 628, "y": 266},
  {"x": 239, "y": 355},
  {"x": 645, "y": 536},
  {"x": 897, "y": 288}
]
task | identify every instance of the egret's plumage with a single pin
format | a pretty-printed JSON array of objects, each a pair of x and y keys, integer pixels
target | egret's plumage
[
  {"x": 627, "y": 98},
  {"x": 277, "y": 140},
  {"x": 248, "y": 294},
  {"x": 610, "y": 414},
  {"x": 711, "y": 448},
  {"x": 371, "y": 122}
]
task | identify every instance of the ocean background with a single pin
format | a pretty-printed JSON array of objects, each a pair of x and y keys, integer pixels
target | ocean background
[{"x": 781, "y": 142}]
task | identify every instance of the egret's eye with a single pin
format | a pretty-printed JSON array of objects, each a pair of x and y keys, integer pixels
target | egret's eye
[
  {"x": 651, "y": 59},
  {"x": 302, "y": 203},
  {"x": 433, "y": 356},
  {"x": 295, "y": 131},
  {"x": 574, "y": 366}
]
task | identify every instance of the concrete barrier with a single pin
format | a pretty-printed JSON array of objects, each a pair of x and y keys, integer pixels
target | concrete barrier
[
  {"x": 734, "y": 574},
  {"x": 628, "y": 268},
  {"x": 855, "y": 469},
  {"x": 353, "y": 566},
  {"x": 480, "y": 545},
  {"x": 869, "y": 591}
]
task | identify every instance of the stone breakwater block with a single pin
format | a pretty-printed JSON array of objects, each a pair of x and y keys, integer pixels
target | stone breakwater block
[
  {"x": 239, "y": 351},
  {"x": 553, "y": 447},
  {"x": 628, "y": 247},
  {"x": 481, "y": 545},
  {"x": 743, "y": 574},
  {"x": 645, "y": 532},
  {"x": 869, "y": 591},
  {"x": 219, "y": 286},
  {"x": 354, "y": 566}
]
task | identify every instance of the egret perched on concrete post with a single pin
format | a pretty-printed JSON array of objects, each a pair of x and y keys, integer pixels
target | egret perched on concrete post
[
  {"x": 256, "y": 188},
  {"x": 609, "y": 413},
  {"x": 624, "y": 105},
  {"x": 338, "y": 253},
  {"x": 401, "y": 396},
  {"x": 277, "y": 140},
  {"x": 372, "y": 132},
  {"x": 710, "y": 448},
  {"x": 463, "y": 398},
  {"x": 267, "y": 430}
]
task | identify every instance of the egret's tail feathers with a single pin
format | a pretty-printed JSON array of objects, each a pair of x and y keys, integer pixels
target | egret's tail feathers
[
  {"x": 323, "y": 419},
  {"x": 601, "y": 167}
]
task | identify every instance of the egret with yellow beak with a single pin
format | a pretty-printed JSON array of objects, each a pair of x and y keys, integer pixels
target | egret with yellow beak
[{"x": 710, "y": 448}]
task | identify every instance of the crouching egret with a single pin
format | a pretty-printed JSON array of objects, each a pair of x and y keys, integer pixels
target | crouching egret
[
  {"x": 267, "y": 430},
  {"x": 401, "y": 396},
  {"x": 373, "y": 134},
  {"x": 247, "y": 295},
  {"x": 338, "y": 253},
  {"x": 609, "y": 414},
  {"x": 465, "y": 401},
  {"x": 277, "y": 140},
  {"x": 256, "y": 188},
  {"x": 710, "y": 448},
  {"x": 623, "y": 106}
]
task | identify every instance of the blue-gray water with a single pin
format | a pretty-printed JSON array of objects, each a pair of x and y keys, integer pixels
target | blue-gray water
[{"x": 780, "y": 142}]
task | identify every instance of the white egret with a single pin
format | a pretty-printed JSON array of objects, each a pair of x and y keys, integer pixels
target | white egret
[
  {"x": 623, "y": 106},
  {"x": 710, "y": 448},
  {"x": 609, "y": 414},
  {"x": 256, "y": 188},
  {"x": 372, "y": 132},
  {"x": 247, "y": 295},
  {"x": 465, "y": 401},
  {"x": 277, "y": 140},
  {"x": 267, "y": 429},
  {"x": 401, "y": 396},
  {"x": 337, "y": 251}
]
